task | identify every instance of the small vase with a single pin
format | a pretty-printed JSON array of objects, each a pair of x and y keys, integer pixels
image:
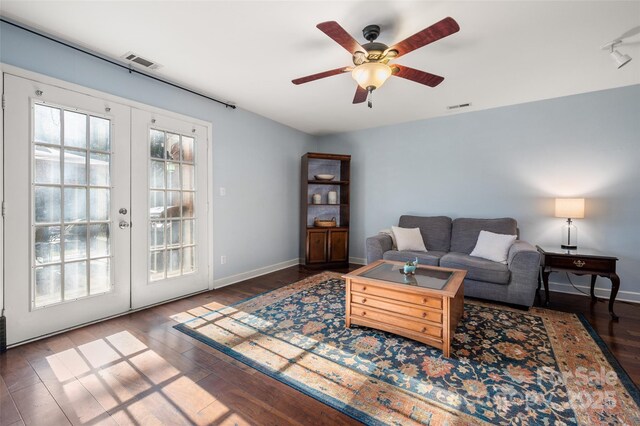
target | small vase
[{"x": 332, "y": 197}]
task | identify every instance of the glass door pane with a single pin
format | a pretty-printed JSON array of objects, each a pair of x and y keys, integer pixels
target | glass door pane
[
  {"x": 71, "y": 205},
  {"x": 171, "y": 220}
]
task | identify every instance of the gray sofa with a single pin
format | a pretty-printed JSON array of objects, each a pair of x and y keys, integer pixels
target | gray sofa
[{"x": 449, "y": 243}]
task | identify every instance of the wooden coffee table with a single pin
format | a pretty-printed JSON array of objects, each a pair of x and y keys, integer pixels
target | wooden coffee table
[{"x": 425, "y": 307}]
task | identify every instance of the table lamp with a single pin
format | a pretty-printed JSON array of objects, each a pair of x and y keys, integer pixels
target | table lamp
[{"x": 571, "y": 208}]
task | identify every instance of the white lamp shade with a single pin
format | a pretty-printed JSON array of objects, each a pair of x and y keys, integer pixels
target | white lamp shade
[
  {"x": 371, "y": 74},
  {"x": 570, "y": 208}
]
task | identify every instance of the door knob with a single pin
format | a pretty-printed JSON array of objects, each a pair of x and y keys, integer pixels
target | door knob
[
  {"x": 123, "y": 224},
  {"x": 122, "y": 211}
]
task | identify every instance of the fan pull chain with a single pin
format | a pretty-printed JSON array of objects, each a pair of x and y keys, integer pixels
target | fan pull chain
[{"x": 370, "y": 100}]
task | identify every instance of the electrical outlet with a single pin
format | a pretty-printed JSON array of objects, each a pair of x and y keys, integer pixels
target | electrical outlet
[{"x": 223, "y": 259}]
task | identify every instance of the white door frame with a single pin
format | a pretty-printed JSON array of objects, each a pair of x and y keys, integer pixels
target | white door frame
[{"x": 19, "y": 72}]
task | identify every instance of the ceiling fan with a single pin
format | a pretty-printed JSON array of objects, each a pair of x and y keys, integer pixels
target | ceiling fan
[{"x": 371, "y": 60}]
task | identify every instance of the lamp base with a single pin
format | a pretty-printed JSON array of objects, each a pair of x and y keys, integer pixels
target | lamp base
[{"x": 569, "y": 239}]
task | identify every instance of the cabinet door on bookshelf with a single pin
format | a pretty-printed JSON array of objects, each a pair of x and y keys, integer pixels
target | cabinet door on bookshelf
[
  {"x": 316, "y": 246},
  {"x": 338, "y": 246}
]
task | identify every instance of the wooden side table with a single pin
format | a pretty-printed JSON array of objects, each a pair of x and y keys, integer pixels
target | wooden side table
[{"x": 580, "y": 262}]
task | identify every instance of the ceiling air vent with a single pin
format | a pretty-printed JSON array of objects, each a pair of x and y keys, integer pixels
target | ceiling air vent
[
  {"x": 452, "y": 107},
  {"x": 132, "y": 57}
]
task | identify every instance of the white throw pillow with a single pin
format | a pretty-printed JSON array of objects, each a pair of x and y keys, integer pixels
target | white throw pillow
[
  {"x": 387, "y": 231},
  {"x": 493, "y": 246},
  {"x": 408, "y": 239}
]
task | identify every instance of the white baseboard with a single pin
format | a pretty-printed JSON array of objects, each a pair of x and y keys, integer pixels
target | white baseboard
[
  {"x": 221, "y": 282},
  {"x": 627, "y": 296},
  {"x": 358, "y": 260}
]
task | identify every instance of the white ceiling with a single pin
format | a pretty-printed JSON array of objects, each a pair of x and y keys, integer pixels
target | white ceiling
[{"x": 246, "y": 52}]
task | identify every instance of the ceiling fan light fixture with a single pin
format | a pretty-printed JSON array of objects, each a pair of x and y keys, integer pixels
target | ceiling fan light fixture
[{"x": 371, "y": 75}]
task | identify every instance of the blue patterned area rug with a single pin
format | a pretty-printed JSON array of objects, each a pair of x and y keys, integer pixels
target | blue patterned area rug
[{"x": 507, "y": 366}]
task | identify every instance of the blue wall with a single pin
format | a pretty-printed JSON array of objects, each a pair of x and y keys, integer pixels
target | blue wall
[
  {"x": 510, "y": 161},
  {"x": 255, "y": 159}
]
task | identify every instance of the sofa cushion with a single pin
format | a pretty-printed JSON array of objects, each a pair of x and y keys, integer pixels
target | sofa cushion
[
  {"x": 431, "y": 258},
  {"x": 477, "y": 268},
  {"x": 465, "y": 231},
  {"x": 435, "y": 230}
]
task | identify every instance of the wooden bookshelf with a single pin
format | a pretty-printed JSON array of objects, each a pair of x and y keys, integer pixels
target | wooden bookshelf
[{"x": 324, "y": 247}]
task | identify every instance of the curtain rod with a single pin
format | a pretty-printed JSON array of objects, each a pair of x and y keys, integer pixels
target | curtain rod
[{"x": 130, "y": 69}]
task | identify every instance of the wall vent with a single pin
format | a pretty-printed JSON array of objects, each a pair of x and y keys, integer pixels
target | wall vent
[
  {"x": 451, "y": 107},
  {"x": 139, "y": 60}
]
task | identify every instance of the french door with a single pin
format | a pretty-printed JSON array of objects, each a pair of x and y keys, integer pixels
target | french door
[
  {"x": 105, "y": 208},
  {"x": 169, "y": 226},
  {"x": 66, "y": 174}
]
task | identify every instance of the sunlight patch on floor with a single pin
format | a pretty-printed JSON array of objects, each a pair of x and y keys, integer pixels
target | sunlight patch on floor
[
  {"x": 99, "y": 353},
  {"x": 135, "y": 384}
]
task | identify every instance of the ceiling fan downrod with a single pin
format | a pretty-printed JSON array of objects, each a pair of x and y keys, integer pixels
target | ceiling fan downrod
[{"x": 371, "y": 32}]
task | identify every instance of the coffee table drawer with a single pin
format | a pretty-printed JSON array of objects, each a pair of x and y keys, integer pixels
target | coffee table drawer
[
  {"x": 585, "y": 263},
  {"x": 405, "y": 309},
  {"x": 395, "y": 321},
  {"x": 432, "y": 302}
]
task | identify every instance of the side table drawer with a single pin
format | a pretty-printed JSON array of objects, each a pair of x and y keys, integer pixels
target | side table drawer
[{"x": 584, "y": 263}]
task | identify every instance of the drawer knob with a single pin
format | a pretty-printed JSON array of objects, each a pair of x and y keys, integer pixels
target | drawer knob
[
  {"x": 579, "y": 263},
  {"x": 364, "y": 300},
  {"x": 424, "y": 315},
  {"x": 424, "y": 300},
  {"x": 364, "y": 313},
  {"x": 424, "y": 329},
  {"x": 364, "y": 288}
]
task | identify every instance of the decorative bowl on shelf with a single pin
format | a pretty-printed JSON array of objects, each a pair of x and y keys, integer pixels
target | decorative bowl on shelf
[{"x": 324, "y": 177}]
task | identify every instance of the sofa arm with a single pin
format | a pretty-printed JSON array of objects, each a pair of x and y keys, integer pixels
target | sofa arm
[
  {"x": 523, "y": 255},
  {"x": 377, "y": 245},
  {"x": 524, "y": 264}
]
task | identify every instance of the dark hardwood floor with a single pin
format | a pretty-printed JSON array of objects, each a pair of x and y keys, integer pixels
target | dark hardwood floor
[{"x": 136, "y": 369}]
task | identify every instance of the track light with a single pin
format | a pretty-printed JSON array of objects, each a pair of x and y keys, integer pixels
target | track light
[{"x": 619, "y": 58}]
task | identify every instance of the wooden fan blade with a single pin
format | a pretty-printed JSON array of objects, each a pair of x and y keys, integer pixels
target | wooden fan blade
[
  {"x": 430, "y": 34},
  {"x": 418, "y": 76},
  {"x": 320, "y": 75},
  {"x": 360, "y": 96},
  {"x": 340, "y": 36}
]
